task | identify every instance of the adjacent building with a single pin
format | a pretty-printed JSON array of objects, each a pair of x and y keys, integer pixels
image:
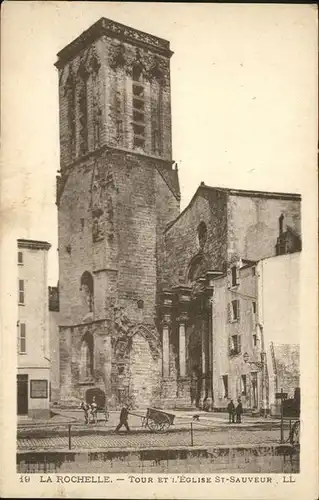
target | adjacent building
[
  {"x": 157, "y": 306},
  {"x": 33, "y": 375},
  {"x": 54, "y": 343}
]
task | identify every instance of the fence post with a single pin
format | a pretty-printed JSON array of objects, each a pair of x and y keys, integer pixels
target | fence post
[
  {"x": 192, "y": 440},
  {"x": 69, "y": 426},
  {"x": 281, "y": 419}
]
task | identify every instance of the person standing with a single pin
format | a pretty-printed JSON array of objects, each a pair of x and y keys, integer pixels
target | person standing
[
  {"x": 123, "y": 419},
  {"x": 86, "y": 408},
  {"x": 239, "y": 411},
  {"x": 231, "y": 412},
  {"x": 94, "y": 410}
]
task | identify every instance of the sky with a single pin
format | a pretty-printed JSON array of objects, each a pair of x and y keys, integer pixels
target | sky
[{"x": 244, "y": 99}]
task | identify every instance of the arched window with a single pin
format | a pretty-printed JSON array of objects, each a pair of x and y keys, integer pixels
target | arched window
[
  {"x": 202, "y": 234},
  {"x": 138, "y": 106},
  {"x": 71, "y": 103},
  {"x": 86, "y": 357},
  {"x": 83, "y": 108},
  {"x": 87, "y": 289}
]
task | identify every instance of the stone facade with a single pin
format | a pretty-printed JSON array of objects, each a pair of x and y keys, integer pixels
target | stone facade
[
  {"x": 116, "y": 192},
  {"x": 54, "y": 321},
  {"x": 144, "y": 289},
  {"x": 212, "y": 249}
]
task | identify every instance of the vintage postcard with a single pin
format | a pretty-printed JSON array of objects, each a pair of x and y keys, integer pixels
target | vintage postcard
[{"x": 159, "y": 255}]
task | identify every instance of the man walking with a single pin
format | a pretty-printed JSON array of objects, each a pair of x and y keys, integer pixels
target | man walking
[
  {"x": 239, "y": 411},
  {"x": 123, "y": 418},
  {"x": 231, "y": 412}
]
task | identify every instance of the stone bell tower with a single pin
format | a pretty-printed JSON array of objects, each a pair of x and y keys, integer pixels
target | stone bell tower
[{"x": 116, "y": 191}]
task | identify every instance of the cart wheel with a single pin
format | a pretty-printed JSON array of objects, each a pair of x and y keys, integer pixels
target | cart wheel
[
  {"x": 295, "y": 433},
  {"x": 153, "y": 426},
  {"x": 165, "y": 426}
]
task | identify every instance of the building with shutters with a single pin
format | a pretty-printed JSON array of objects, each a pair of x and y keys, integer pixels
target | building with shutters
[
  {"x": 150, "y": 295},
  {"x": 33, "y": 374},
  {"x": 212, "y": 294}
]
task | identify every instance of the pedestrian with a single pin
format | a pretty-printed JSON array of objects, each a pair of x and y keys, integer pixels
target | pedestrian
[
  {"x": 86, "y": 408},
  {"x": 123, "y": 418},
  {"x": 106, "y": 412},
  {"x": 231, "y": 412},
  {"x": 239, "y": 411},
  {"x": 94, "y": 410}
]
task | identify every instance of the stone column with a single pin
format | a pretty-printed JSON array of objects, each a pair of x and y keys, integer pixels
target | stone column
[
  {"x": 165, "y": 345},
  {"x": 107, "y": 368},
  {"x": 182, "y": 348},
  {"x": 183, "y": 385},
  {"x": 204, "y": 367}
]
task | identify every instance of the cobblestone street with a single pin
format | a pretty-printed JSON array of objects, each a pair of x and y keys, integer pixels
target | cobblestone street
[
  {"x": 143, "y": 440},
  {"x": 212, "y": 429}
]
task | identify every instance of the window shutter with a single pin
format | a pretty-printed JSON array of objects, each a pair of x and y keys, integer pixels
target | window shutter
[
  {"x": 237, "y": 273},
  {"x": 238, "y": 309},
  {"x": 230, "y": 345},
  {"x": 229, "y": 315},
  {"x": 229, "y": 277}
]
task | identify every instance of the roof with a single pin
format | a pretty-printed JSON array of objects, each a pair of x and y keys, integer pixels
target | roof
[
  {"x": 34, "y": 244},
  {"x": 236, "y": 192},
  {"x": 253, "y": 193},
  {"x": 170, "y": 177},
  {"x": 115, "y": 30}
]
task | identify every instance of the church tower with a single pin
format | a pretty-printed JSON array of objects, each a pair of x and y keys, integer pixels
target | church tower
[{"x": 116, "y": 192}]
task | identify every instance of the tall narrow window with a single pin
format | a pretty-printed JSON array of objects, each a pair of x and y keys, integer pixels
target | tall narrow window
[
  {"x": 70, "y": 96},
  {"x": 138, "y": 108},
  {"x": 97, "y": 112},
  {"x": 281, "y": 223},
  {"x": 234, "y": 345},
  {"x": 233, "y": 310},
  {"x": 83, "y": 110},
  {"x": 234, "y": 276},
  {"x": 156, "y": 117},
  {"x": 86, "y": 357},
  {"x": 202, "y": 234},
  {"x": 21, "y": 292},
  {"x": 87, "y": 289},
  {"x": 225, "y": 383},
  {"x": 22, "y": 339},
  {"x": 20, "y": 258}
]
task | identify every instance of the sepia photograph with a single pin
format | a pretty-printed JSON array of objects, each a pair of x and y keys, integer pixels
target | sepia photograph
[{"x": 160, "y": 167}]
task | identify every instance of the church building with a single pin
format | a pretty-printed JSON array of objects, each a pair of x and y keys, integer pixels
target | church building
[{"x": 136, "y": 276}]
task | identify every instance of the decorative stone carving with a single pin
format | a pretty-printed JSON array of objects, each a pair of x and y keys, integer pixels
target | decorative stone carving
[
  {"x": 198, "y": 288},
  {"x": 158, "y": 69},
  {"x": 125, "y": 31},
  {"x": 94, "y": 67},
  {"x": 117, "y": 57},
  {"x": 152, "y": 66},
  {"x": 101, "y": 203},
  {"x": 126, "y": 329}
]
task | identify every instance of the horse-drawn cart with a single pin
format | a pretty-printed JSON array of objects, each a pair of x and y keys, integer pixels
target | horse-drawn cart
[{"x": 156, "y": 420}]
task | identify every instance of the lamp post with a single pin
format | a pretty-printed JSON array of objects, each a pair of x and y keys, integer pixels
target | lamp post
[{"x": 260, "y": 365}]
